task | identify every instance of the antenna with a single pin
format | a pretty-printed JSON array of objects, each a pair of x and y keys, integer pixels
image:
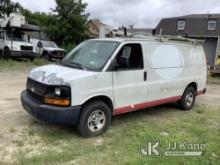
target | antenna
[
  {"x": 161, "y": 32},
  {"x": 1, "y": 13}
]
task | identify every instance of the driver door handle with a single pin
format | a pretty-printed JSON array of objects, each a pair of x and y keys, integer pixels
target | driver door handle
[{"x": 145, "y": 76}]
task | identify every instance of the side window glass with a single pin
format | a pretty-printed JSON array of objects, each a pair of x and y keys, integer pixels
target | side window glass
[
  {"x": 130, "y": 57},
  {"x": 1, "y": 36}
]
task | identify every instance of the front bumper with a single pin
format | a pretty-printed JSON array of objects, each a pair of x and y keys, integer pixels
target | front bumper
[
  {"x": 56, "y": 55},
  {"x": 48, "y": 113},
  {"x": 23, "y": 54}
]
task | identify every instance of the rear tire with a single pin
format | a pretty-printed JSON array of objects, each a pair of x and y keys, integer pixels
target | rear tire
[
  {"x": 95, "y": 119},
  {"x": 1, "y": 54},
  {"x": 6, "y": 53},
  {"x": 188, "y": 99},
  {"x": 31, "y": 59}
]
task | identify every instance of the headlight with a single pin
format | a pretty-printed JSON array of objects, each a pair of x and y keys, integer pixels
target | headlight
[
  {"x": 58, "y": 95},
  {"x": 57, "y": 92}
]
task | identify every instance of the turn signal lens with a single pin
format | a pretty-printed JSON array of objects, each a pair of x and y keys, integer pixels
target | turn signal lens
[{"x": 60, "y": 102}]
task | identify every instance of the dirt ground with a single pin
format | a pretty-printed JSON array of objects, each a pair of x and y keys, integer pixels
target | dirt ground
[{"x": 12, "y": 115}]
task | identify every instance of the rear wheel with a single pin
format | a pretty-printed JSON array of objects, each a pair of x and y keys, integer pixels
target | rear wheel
[
  {"x": 95, "y": 119},
  {"x": 6, "y": 53},
  {"x": 31, "y": 59},
  {"x": 1, "y": 54},
  {"x": 188, "y": 99}
]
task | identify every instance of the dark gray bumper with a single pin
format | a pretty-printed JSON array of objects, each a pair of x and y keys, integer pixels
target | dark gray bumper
[
  {"x": 48, "y": 113},
  {"x": 57, "y": 56},
  {"x": 23, "y": 54}
]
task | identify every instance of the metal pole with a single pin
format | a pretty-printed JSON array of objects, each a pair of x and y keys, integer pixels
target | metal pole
[{"x": 12, "y": 36}]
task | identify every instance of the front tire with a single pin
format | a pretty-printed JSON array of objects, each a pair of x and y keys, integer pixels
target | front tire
[
  {"x": 95, "y": 119},
  {"x": 188, "y": 99}
]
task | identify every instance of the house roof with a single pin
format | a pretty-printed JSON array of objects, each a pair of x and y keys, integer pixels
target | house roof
[
  {"x": 196, "y": 26},
  {"x": 200, "y": 16},
  {"x": 96, "y": 24}
]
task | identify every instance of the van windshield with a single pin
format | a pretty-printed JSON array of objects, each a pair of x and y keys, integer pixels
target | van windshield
[
  {"x": 16, "y": 36},
  {"x": 90, "y": 55},
  {"x": 49, "y": 44}
]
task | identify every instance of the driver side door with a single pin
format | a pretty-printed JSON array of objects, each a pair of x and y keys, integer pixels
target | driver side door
[{"x": 129, "y": 79}]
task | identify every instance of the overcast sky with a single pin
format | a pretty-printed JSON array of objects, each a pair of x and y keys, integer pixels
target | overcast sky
[{"x": 140, "y": 13}]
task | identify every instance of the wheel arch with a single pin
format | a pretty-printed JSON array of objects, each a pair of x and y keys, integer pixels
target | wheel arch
[
  {"x": 6, "y": 47},
  {"x": 106, "y": 99},
  {"x": 192, "y": 84}
]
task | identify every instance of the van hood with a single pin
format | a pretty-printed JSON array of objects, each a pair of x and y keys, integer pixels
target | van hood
[
  {"x": 53, "y": 49},
  {"x": 57, "y": 74}
]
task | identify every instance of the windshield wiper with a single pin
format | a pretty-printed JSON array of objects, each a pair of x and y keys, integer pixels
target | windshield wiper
[
  {"x": 77, "y": 65},
  {"x": 74, "y": 65}
]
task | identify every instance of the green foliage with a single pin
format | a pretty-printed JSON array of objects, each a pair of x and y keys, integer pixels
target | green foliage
[
  {"x": 69, "y": 21},
  {"x": 7, "y": 7},
  {"x": 66, "y": 24}
]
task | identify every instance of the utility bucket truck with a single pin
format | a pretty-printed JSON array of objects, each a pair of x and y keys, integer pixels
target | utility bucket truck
[{"x": 14, "y": 43}]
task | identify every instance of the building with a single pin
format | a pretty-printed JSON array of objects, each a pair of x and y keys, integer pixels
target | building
[
  {"x": 98, "y": 29},
  {"x": 197, "y": 26}
]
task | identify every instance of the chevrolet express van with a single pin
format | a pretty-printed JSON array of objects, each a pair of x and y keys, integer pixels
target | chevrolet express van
[{"x": 101, "y": 78}]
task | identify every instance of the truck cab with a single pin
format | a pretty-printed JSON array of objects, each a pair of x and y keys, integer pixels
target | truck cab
[
  {"x": 101, "y": 78},
  {"x": 15, "y": 45}
]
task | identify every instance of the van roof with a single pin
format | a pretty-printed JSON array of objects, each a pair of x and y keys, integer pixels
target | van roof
[{"x": 153, "y": 38}]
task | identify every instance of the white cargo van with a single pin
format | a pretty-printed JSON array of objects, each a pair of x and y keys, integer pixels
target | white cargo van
[{"x": 101, "y": 78}]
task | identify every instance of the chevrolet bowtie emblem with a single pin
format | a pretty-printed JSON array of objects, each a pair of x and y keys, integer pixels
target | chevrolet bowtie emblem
[{"x": 33, "y": 89}]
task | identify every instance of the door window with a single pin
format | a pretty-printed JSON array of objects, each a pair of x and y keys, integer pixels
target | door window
[
  {"x": 130, "y": 57},
  {"x": 1, "y": 36}
]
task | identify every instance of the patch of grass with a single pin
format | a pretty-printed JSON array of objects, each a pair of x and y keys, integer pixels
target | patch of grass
[
  {"x": 14, "y": 65},
  {"x": 200, "y": 110},
  {"x": 215, "y": 79},
  {"x": 129, "y": 132},
  {"x": 30, "y": 131},
  {"x": 19, "y": 143},
  {"x": 12, "y": 129}
]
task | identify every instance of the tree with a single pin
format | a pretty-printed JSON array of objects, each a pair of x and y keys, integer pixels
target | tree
[
  {"x": 7, "y": 7},
  {"x": 69, "y": 21},
  {"x": 66, "y": 24}
]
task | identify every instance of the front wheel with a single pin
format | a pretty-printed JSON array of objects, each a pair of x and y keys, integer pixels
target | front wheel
[
  {"x": 188, "y": 99},
  {"x": 95, "y": 119}
]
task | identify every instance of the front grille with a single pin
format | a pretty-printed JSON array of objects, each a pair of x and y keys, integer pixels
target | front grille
[
  {"x": 26, "y": 48},
  {"x": 36, "y": 89}
]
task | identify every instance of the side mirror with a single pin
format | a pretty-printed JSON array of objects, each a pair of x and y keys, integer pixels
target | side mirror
[{"x": 39, "y": 44}]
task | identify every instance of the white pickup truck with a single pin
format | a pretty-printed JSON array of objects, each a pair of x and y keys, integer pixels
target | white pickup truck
[
  {"x": 15, "y": 46},
  {"x": 101, "y": 78},
  {"x": 48, "y": 49}
]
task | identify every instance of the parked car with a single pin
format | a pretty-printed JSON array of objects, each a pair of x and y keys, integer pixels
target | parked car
[
  {"x": 48, "y": 49},
  {"x": 102, "y": 78},
  {"x": 15, "y": 46}
]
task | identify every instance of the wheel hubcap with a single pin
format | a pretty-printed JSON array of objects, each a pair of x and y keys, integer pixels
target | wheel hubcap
[
  {"x": 96, "y": 121},
  {"x": 189, "y": 99}
]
